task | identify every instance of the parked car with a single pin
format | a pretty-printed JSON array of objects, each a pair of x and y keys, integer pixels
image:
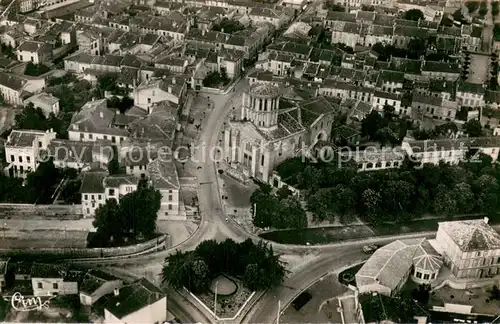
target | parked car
[{"x": 370, "y": 248}]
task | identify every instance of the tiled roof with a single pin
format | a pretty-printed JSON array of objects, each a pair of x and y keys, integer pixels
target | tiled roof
[
  {"x": 134, "y": 297},
  {"x": 163, "y": 173},
  {"x": 92, "y": 182},
  {"x": 47, "y": 270},
  {"x": 389, "y": 265},
  {"x": 11, "y": 81},
  {"x": 93, "y": 280},
  {"x": 472, "y": 235},
  {"x": 115, "y": 181},
  {"x": 23, "y": 137}
]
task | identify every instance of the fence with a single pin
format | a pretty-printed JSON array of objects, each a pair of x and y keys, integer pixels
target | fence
[
  {"x": 71, "y": 253},
  {"x": 27, "y": 211}
]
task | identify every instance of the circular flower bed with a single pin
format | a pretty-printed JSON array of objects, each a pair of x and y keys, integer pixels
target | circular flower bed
[{"x": 225, "y": 286}]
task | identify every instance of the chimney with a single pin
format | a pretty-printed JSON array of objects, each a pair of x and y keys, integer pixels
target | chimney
[
  {"x": 101, "y": 114},
  {"x": 486, "y": 220},
  {"x": 203, "y": 31},
  {"x": 173, "y": 80},
  {"x": 116, "y": 291},
  {"x": 93, "y": 98},
  {"x": 222, "y": 30},
  {"x": 461, "y": 242},
  {"x": 169, "y": 89}
]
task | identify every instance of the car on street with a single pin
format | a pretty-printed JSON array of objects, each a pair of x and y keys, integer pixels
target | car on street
[{"x": 369, "y": 249}]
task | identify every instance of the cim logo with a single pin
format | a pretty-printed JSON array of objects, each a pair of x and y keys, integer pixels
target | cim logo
[{"x": 22, "y": 304}]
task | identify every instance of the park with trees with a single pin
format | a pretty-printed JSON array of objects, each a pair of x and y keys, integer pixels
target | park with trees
[
  {"x": 395, "y": 195},
  {"x": 130, "y": 220},
  {"x": 255, "y": 265}
]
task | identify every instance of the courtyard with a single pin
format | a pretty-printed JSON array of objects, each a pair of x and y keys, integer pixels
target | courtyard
[{"x": 479, "y": 68}]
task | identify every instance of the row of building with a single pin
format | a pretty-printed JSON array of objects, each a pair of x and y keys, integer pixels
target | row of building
[{"x": 123, "y": 302}]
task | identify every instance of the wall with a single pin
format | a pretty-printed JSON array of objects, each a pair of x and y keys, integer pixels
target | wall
[
  {"x": 72, "y": 253},
  {"x": 50, "y": 211}
]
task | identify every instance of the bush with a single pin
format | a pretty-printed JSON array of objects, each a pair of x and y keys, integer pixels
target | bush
[{"x": 35, "y": 69}]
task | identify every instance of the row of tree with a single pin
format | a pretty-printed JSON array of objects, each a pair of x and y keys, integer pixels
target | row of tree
[
  {"x": 397, "y": 194},
  {"x": 255, "y": 264},
  {"x": 134, "y": 218}
]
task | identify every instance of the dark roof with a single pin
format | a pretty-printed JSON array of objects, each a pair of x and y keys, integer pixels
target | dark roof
[
  {"x": 93, "y": 280},
  {"x": 11, "y": 81},
  {"x": 133, "y": 297},
  {"x": 92, "y": 182},
  {"x": 471, "y": 88},
  {"x": 48, "y": 270}
]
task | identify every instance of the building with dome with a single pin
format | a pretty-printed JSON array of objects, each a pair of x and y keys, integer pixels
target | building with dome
[
  {"x": 272, "y": 129},
  {"x": 388, "y": 269}
]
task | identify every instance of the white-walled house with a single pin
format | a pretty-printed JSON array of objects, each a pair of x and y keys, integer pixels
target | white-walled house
[
  {"x": 163, "y": 176},
  {"x": 117, "y": 186},
  {"x": 23, "y": 150},
  {"x": 94, "y": 122},
  {"x": 93, "y": 192},
  {"x": 80, "y": 155},
  {"x": 52, "y": 279},
  {"x": 173, "y": 89},
  {"x": 139, "y": 302},
  {"x": 34, "y": 52},
  {"x": 94, "y": 284},
  {"x": 46, "y": 102}
]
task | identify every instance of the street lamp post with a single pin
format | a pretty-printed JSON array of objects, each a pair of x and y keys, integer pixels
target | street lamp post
[{"x": 215, "y": 299}]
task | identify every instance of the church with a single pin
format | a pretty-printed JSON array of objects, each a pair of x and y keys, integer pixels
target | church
[{"x": 272, "y": 129}]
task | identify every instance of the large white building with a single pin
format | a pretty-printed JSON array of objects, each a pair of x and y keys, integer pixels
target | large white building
[
  {"x": 271, "y": 130},
  {"x": 24, "y": 149},
  {"x": 163, "y": 177},
  {"x": 471, "y": 248}
]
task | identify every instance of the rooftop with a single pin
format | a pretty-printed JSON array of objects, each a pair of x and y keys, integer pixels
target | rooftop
[
  {"x": 93, "y": 280},
  {"x": 47, "y": 270},
  {"x": 115, "y": 181},
  {"x": 472, "y": 235},
  {"x": 163, "y": 174},
  {"x": 133, "y": 297},
  {"x": 23, "y": 137},
  {"x": 92, "y": 182},
  {"x": 264, "y": 90},
  {"x": 389, "y": 264}
]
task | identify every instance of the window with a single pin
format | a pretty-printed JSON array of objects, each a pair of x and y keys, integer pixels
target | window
[
  {"x": 12, "y": 158},
  {"x": 433, "y": 276},
  {"x": 55, "y": 285},
  {"x": 91, "y": 136},
  {"x": 20, "y": 159},
  {"x": 85, "y": 197},
  {"x": 418, "y": 275},
  {"x": 169, "y": 207},
  {"x": 39, "y": 285},
  {"x": 93, "y": 197},
  {"x": 28, "y": 159},
  {"x": 170, "y": 191},
  {"x": 81, "y": 135},
  {"x": 149, "y": 100},
  {"x": 426, "y": 276},
  {"x": 21, "y": 169},
  {"x": 262, "y": 160},
  {"x": 169, "y": 197},
  {"x": 111, "y": 192},
  {"x": 99, "y": 197}
]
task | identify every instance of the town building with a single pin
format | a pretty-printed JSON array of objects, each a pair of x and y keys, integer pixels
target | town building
[
  {"x": 95, "y": 284},
  {"x": 388, "y": 269},
  {"x": 271, "y": 130},
  {"x": 163, "y": 177},
  {"x": 471, "y": 248},
  {"x": 24, "y": 150},
  {"x": 53, "y": 279},
  {"x": 46, "y": 102},
  {"x": 34, "y": 52},
  {"x": 139, "y": 302}
]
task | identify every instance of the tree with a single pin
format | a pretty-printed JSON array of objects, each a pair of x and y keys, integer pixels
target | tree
[
  {"x": 114, "y": 164},
  {"x": 445, "y": 202},
  {"x": 295, "y": 216},
  {"x": 283, "y": 192},
  {"x": 473, "y": 128},
  {"x": 495, "y": 8},
  {"x": 333, "y": 6},
  {"x": 212, "y": 79},
  {"x": 494, "y": 293},
  {"x": 464, "y": 197},
  {"x": 372, "y": 200},
  {"x": 35, "y": 69},
  {"x": 417, "y": 46},
  {"x": 413, "y": 14},
  {"x": 421, "y": 294},
  {"x": 106, "y": 82},
  {"x": 483, "y": 9},
  {"x": 134, "y": 217},
  {"x": 223, "y": 75},
  {"x": 472, "y": 6},
  {"x": 228, "y": 26},
  {"x": 4, "y": 309}
]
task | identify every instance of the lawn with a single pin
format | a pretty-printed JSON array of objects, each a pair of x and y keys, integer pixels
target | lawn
[{"x": 333, "y": 234}]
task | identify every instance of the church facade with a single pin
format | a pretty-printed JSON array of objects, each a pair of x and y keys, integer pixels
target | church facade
[{"x": 272, "y": 129}]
